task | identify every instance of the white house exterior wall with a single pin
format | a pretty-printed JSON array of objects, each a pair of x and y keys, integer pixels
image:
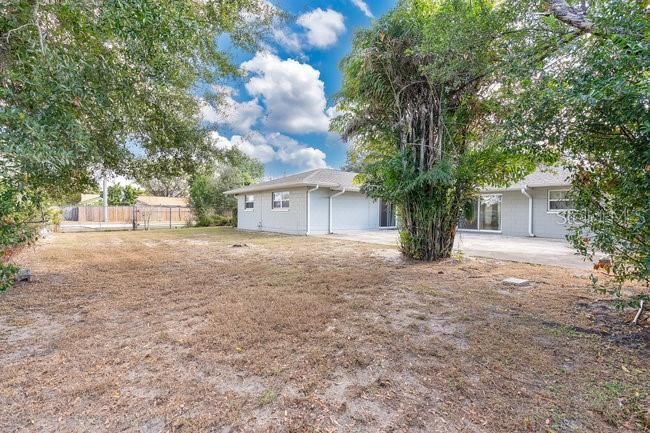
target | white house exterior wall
[
  {"x": 545, "y": 224},
  {"x": 355, "y": 211},
  {"x": 264, "y": 218},
  {"x": 319, "y": 217},
  {"x": 351, "y": 211},
  {"x": 514, "y": 214}
]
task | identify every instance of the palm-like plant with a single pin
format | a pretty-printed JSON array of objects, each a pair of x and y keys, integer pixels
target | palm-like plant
[{"x": 414, "y": 103}]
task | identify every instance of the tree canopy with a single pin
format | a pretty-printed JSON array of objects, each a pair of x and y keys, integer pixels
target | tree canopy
[
  {"x": 100, "y": 85},
  {"x": 443, "y": 97},
  {"x": 96, "y": 87},
  {"x": 415, "y": 110},
  {"x": 123, "y": 195},
  {"x": 577, "y": 92},
  {"x": 233, "y": 170}
]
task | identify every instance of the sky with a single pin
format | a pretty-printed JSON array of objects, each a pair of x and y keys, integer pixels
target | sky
[{"x": 279, "y": 112}]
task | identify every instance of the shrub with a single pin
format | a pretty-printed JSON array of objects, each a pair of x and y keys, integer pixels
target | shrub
[
  {"x": 20, "y": 220},
  {"x": 210, "y": 220}
]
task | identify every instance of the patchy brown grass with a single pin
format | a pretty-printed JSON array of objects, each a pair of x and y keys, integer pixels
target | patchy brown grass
[{"x": 180, "y": 331}]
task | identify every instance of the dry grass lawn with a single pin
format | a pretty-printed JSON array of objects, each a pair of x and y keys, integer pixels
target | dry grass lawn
[{"x": 179, "y": 331}]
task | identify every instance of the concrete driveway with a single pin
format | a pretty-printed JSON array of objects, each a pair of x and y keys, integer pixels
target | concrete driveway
[{"x": 543, "y": 251}]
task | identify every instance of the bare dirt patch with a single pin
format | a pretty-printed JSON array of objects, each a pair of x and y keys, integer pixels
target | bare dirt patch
[{"x": 180, "y": 331}]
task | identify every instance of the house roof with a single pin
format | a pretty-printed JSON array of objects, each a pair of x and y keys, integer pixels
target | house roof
[
  {"x": 89, "y": 197},
  {"x": 322, "y": 177},
  {"x": 151, "y": 200},
  {"x": 339, "y": 180},
  {"x": 540, "y": 178}
]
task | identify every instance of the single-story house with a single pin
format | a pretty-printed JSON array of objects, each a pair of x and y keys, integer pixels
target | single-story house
[
  {"x": 314, "y": 202},
  {"x": 327, "y": 201}
]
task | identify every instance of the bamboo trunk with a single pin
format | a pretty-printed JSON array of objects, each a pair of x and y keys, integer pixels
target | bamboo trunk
[{"x": 428, "y": 238}]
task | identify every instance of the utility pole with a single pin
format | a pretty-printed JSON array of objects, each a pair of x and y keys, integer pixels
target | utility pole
[{"x": 105, "y": 187}]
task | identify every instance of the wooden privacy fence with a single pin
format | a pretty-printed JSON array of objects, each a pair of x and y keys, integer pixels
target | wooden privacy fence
[{"x": 134, "y": 215}]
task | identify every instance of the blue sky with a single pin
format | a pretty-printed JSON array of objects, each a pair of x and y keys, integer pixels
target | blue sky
[{"x": 279, "y": 112}]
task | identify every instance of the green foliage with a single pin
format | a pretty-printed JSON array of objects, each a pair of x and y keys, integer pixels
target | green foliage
[
  {"x": 619, "y": 404},
  {"x": 207, "y": 197},
  {"x": 204, "y": 197},
  {"x": 7, "y": 275},
  {"x": 123, "y": 195},
  {"x": 89, "y": 84},
  {"x": 163, "y": 185},
  {"x": 582, "y": 99},
  {"x": 94, "y": 87},
  {"x": 267, "y": 397},
  {"x": 208, "y": 220},
  {"x": 54, "y": 217},
  {"x": 21, "y": 210},
  {"x": 415, "y": 111}
]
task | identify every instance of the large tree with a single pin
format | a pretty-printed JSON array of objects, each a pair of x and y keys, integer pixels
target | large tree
[
  {"x": 578, "y": 91},
  {"x": 89, "y": 87},
  {"x": 416, "y": 108},
  {"x": 98, "y": 85},
  {"x": 162, "y": 185},
  {"x": 233, "y": 170}
]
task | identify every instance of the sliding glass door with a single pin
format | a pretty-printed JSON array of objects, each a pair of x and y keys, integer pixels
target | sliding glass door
[
  {"x": 486, "y": 215},
  {"x": 386, "y": 214}
]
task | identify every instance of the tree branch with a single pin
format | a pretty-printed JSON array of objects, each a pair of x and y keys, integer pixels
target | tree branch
[{"x": 571, "y": 16}]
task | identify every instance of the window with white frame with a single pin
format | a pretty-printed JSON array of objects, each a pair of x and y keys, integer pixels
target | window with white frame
[
  {"x": 559, "y": 201},
  {"x": 249, "y": 202},
  {"x": 280, "y": 200}
]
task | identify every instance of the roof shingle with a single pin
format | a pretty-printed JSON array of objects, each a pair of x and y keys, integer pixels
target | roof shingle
[
  {"x": 338, "y": 180},
  {"x": 540, "y": 178},
  {"x": 325, "y": 177}
]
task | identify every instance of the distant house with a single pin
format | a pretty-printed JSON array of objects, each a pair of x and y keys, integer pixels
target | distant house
[
  {"x": 326, "y": 201},
  {"x": 150, "y": 200},
  {"x": 143, "y": 200},
  {"x": 90, "y": 200}
]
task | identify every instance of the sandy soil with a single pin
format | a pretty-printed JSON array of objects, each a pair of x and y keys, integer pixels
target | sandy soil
[{"x": 180, "y": 331}]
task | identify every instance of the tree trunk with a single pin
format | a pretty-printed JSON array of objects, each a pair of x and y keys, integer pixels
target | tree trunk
[
  {"x": 428, "y": 233},
  {"x": 570, "y": 15}
]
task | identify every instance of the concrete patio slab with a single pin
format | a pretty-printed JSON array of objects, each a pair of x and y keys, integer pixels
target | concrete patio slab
[{"x": 543, "y": 251}]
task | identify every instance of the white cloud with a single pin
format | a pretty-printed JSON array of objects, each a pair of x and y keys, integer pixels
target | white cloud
[
  {"x": 254, "y": 145},
  {"x": 289, "y": 40},
  {"x": 333, "y": 111},
  {"x": 239, "y": 116},
  {"x": 292, "y": 152},
  {"x": 250, "y": 145},
  {"x": 363, "y": 7},
  {"x": 273, "y": 147},
  {"x": 219, "y": 141},
  {"x": 208, "y": 113},
  {"x": 292, "y": 91},
  {"x": 323, "y": 27}
]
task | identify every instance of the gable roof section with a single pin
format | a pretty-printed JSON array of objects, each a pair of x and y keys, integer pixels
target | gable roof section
[
  {"x": 322, "y": 177},
  {"x": 339, "y": 180},
  {"x": 540, "y": 178},
  {"x": 85, "y": 198},
  {"x": 151, "y": 200}
]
